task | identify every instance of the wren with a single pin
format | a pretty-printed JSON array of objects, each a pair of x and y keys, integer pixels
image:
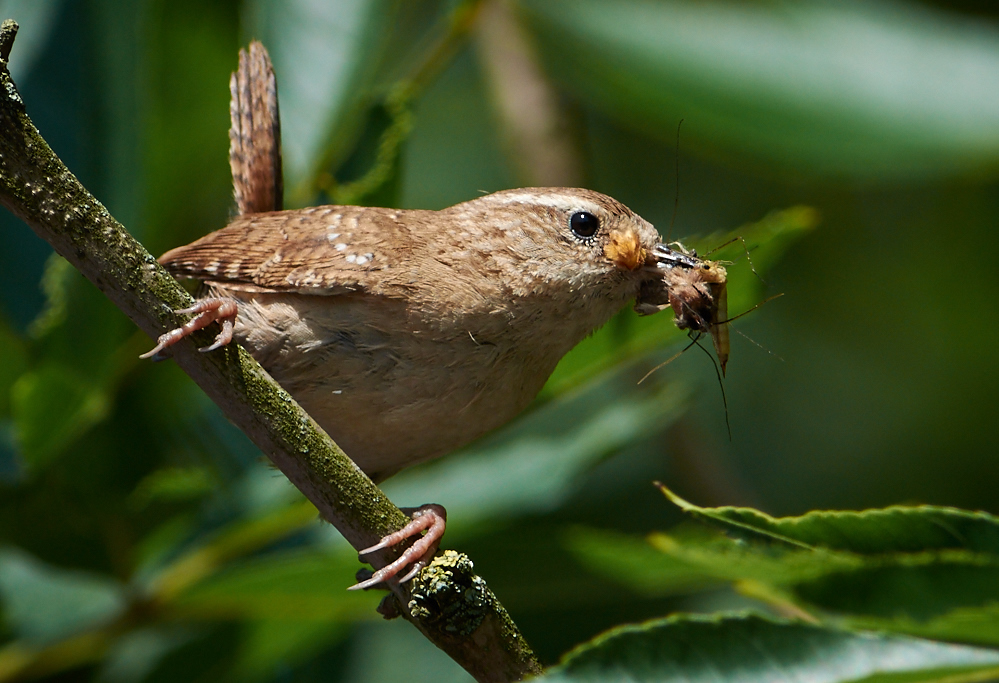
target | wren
[{"x": 408, "y": 333}]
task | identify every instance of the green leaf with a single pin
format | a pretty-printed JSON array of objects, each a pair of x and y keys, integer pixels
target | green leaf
[
  {"x": 81, "y": 342},
  {"x": 634, "y": 562},
  {"x": 872, "y": 90},
  {"x": 325, "y": 55},
  {"x": 909, "y": 587},
  {"x": 119, "y": 74},
  {"x": 52, "y": 406},
  {"x": 977, "y": 625},
  {"x": 57, "y": 279},
  {"x": 767, "y": 240},
  {"x": 750, "y": 648},
  {"x": 897, "y": 529},
  {"x": 394, "y": 651},
  {"x": 455, "y": 151},
  {"x": 188, "y": 50},
  {"x": 43, "y": 603},
  {"x": 269, "y": 643},
  {"x": 923, "y": 570},
  {"x": 663, "y": 565},
  {"x": 236, "y": 540},
  {"x": 292, "y": 586},
  {"x": 136, "y": 653},
  {"x": 172, "y": 484}
]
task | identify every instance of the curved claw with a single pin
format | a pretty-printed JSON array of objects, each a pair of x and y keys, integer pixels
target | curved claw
[
  {"x": 206, "y": 311},
  {"x": 223, "y": 337},
  {"x": 430, "y": 518}
]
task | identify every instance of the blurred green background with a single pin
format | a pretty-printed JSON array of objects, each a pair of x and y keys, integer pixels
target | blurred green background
[{"x": 142, "y": 538}]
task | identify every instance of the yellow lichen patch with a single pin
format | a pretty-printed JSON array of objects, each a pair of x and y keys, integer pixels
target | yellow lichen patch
[{"x": 625, "y": 249}]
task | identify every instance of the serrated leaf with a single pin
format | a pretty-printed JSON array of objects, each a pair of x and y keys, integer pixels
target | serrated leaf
[
  {"x": 662, "y": 564},
  {"x": 748, "y": 648},
  {"x": 923, "y": 570},
  {"x": 896, "y": 529}
]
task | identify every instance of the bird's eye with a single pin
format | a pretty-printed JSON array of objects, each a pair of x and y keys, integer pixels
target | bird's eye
[{"x": 584, "y": 224}]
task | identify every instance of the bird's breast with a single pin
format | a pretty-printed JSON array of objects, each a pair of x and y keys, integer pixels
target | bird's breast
[{"x": 391, "y": 388}]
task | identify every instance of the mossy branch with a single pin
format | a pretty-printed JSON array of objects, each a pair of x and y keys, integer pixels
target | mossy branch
[{"x": 37, "y": 187}]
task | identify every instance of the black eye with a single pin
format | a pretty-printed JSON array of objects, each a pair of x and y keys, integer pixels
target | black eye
[{"x": 584, "y": 224}]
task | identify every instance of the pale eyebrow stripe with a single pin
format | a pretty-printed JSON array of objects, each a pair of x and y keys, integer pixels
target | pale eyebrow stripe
[{"x": 553, "y": 200}]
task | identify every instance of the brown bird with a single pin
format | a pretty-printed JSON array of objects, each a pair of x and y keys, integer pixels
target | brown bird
[{"x": 407, "y": 333}]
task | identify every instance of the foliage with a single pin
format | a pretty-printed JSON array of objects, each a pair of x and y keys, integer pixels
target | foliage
[
  {"x": 751, "y": 648},
  {"x": 142, "y": 538},
  {"x": 920, "y": 570}
]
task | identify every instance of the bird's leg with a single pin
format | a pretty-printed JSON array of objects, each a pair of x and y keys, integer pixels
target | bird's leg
[
  {"x": 430, "y": 518},
  {"x": 206, "y": 312}
]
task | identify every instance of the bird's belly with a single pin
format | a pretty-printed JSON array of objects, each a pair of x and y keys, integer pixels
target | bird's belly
[
  {"x": 391, "y": 393},
  {"x": 384, "y": 431}
]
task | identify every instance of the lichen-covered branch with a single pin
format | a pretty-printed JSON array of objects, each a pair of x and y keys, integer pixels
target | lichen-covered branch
[{"x": 37, "y": 187}]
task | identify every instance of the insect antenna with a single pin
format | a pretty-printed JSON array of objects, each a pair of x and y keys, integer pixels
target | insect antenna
[
  {"x": 745, "y": 248},
  {"x": 676, "y": 190}
]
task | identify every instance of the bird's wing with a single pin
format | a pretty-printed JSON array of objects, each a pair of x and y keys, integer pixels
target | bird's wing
[{"x": 324, "y": 250}]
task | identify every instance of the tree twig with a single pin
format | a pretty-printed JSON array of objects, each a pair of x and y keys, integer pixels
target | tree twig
[{"x": 37, "y": 187}]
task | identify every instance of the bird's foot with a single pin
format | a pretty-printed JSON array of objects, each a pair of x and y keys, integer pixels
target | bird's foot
[
  {"x": 430, "y": 518},
  {"x": 206, "y": 311}
]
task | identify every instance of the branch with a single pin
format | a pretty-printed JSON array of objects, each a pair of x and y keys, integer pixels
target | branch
[{"x": 37, "y": 187}]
